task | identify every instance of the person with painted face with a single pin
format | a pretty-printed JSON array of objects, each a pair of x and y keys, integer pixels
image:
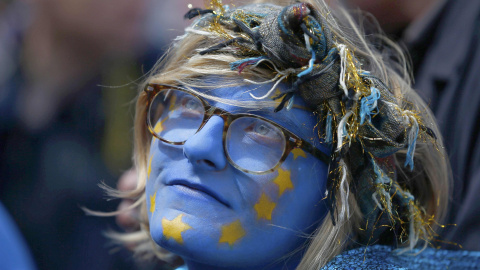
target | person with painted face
[{"x": 276, "y": 136}]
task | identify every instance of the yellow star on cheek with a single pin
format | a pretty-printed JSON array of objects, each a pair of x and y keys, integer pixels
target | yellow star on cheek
[
  {"x": 159, "y": 126},
  {"x": 149, "y": 169},
  {"x": 232, "y": 232},
  {"x": 152, "y": 202},
  {"x": 174, "y": 228},
  {"x": 283, "y": 181},
  {"x": 264, "y": 207},
  {"x": 298, "y": 152},
  {"x": 173, "y": 102}
]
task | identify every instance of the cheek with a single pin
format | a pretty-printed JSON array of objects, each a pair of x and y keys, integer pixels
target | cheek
[
  {"x": 300, "y": 189},
  {"x": 160, "y": 155}
]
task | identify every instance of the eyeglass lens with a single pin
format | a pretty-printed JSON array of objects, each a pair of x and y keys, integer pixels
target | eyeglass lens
[{"x": 251, "y": 143}]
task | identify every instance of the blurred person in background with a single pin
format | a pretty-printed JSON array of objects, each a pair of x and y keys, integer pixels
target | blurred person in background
[
  {"x": 58, "y": 127},
  {"x": 443, "y": 39}
]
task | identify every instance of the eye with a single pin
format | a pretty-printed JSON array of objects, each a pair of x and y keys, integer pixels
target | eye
[
  {"x": 261, "y": 129},
  {"x": 263, "y": 133},
  {"x": 191, "y": 104}
]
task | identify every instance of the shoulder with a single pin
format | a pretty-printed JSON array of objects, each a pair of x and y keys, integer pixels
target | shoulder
[{"x": 384, "y": 257}]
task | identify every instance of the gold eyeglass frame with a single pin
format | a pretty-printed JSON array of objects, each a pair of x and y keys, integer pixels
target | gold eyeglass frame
[{"x": 292, "y": 141}]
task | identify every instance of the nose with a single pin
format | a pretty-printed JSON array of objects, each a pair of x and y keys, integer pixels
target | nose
[{"x": 205, "y": 149}]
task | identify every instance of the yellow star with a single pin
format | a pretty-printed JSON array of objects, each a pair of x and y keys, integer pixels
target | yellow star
[
  {"x": 174, "y": 228},
  {"x": 298, "y": 152},
  {"x": 159, "y": 126},
  {"x": 276, "y": 94},
  {"x": 173, "y": 102},
  {"x": 264, "y": 207},
  {"x": 283, "y": 181},
  {"x": 149, "y": 169},
  {"x": 232, "y": 232},
  {"x": 152, "y": 202}
]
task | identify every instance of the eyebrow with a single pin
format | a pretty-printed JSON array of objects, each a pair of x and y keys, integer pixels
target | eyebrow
[{"x": 281, "y": 119}]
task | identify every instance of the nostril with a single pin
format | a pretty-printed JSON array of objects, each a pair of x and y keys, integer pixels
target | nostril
[{"x": 206, "y": 162}]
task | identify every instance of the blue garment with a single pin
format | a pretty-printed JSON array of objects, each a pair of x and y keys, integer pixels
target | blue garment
[
  {"x": 14, "y": 253},
  {"x": 385, "y": 257}
]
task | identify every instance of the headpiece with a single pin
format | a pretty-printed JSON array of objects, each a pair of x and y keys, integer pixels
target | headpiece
[{"x": 360, "y": 116}]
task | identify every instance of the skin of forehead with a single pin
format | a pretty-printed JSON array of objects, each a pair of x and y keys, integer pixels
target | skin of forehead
[{"x": 299, "y": 121}]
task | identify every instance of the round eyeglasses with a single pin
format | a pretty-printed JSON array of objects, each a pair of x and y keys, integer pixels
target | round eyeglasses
[{"x": 252, "y": 144}]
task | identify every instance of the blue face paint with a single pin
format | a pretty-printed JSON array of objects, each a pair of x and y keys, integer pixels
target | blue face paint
[{"x": 212, "y": 214}]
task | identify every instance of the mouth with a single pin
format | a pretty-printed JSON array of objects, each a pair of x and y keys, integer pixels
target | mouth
[{"x": 199, "y": 188}]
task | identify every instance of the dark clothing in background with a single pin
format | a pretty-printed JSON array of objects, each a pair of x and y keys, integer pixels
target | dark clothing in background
[
  {"x": 446, "y": 58},
  {"x": 47, "y": 174}
]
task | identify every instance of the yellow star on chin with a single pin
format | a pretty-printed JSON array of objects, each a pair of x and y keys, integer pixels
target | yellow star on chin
[
  {"x": 232, "y": 232},
  {"x": 152, "y": 202},
  {"x": 174, "y": 228},
  {"x": 283, "y": 181},
  {"x": 264, "y": 207}
]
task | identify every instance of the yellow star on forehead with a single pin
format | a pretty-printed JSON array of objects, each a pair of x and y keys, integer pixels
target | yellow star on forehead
[
  {"x": 298, "y": 152},
  {"x": 152, "y": 202},
  {"x": 283, "y": 181},
  {"x": 174, "y": 228},
  {"x": 264, "y": 207},
  {"x": 232, "y": 232},
  {"x": 276, "y": 93},
  {"x": 149, "y": 168}
]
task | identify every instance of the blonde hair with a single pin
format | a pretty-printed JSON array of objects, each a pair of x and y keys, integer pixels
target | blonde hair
[{"x": 183, "y": 64}]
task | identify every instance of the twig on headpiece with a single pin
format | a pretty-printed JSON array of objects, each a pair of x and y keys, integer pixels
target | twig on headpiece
[
  {"x": 286, "y": 97},
  {"x": 254, "y": 35},
  {"x": 429, "y": 131},
  {"x": 194, "y": 12},
  {"x": 224, "y": 44}
]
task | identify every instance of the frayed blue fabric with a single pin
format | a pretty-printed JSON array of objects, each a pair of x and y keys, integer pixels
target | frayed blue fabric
[
  {"x": 385, "y": 257},
  {"x": 368, "y": 104}
]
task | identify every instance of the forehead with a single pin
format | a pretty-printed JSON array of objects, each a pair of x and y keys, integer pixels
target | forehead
[{"x": 245, "y": 99}]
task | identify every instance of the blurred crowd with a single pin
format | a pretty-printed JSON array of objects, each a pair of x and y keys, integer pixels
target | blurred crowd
[{"x": 69, "y": 70}]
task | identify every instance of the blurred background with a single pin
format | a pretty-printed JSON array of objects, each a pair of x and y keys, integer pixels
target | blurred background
[
  {"x": 69, "y": 71},
  {"x": 442, "y": 38}
]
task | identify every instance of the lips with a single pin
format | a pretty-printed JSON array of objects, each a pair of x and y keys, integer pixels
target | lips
[{"x": 199, "y": 188}]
